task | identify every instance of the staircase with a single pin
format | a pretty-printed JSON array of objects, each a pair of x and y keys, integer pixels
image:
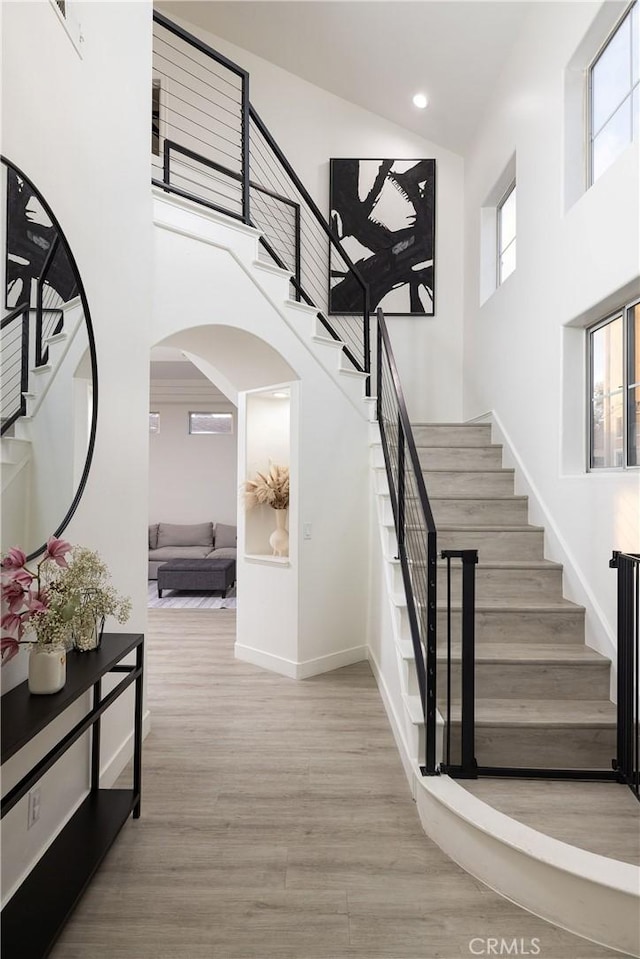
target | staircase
[{"x": 542, "y": 696}]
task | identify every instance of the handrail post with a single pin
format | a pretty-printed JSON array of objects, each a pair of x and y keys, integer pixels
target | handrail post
[
  {"x": 166, "y": 162},
  {"x": 469, "y": 559},
  {"x": 298, "y": 263},
  {"x": 627, "y": 761},
  {"x": 432, "y": 655},
  {"x": 367, "y": 340},
  {"x": 401, "y": 504},
  {"x": 246, "y": 153},
  {"x": 24, "y": 366},
  {"x": 379, "y": 373}
]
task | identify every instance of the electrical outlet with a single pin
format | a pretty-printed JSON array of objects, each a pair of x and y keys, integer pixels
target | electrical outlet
[
  {"x": 306, "y": 531},
  {"x": 33, "y": 807}
]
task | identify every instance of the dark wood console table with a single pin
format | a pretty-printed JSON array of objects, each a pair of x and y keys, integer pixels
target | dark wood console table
[{"x": 36, "y": 913}]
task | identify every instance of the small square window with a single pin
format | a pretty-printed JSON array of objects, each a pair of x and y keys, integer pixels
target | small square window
[
  {"x": 210, "y": 423},
  {"x": 154, "y": 422},
  {"x": 506, "y": 223}
]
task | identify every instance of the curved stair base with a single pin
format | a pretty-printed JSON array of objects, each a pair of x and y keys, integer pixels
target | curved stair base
[{"x": 587, "y": 894}]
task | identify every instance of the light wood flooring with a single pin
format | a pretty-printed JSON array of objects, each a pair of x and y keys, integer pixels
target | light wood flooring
[{"x": 277, "y": 824}]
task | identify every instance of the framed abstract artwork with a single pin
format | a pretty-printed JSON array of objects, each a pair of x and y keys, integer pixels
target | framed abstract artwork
[{"x": 383, "y": 213}]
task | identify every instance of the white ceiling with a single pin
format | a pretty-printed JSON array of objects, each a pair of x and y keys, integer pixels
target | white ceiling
[{"x": 378, "y": 54}]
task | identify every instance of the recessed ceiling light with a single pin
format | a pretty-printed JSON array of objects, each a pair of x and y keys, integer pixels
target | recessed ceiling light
[
  {"x": 420, "y": 101},
  {"x": 281, "y": 395}
]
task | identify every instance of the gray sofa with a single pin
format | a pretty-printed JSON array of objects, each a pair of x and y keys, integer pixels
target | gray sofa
[{"x": 169, "y": 541}]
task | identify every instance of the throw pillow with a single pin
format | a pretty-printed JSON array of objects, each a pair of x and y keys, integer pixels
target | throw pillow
[
  {"x": 225, "y": 535},
  {"x": 153, "y": 536}
]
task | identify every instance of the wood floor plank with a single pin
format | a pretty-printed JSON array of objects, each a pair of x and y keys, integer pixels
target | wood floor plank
[{"x": 277, "y": 824}]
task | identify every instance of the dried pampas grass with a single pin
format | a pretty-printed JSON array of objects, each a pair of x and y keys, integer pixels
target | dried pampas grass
[{"x": 270, "y": 490}]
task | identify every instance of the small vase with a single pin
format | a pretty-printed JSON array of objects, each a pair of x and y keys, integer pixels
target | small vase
[
  {"x": 87, "y": 631},
  {"x": 47, "y": 669},
  {"x": 279, "y": 539}
]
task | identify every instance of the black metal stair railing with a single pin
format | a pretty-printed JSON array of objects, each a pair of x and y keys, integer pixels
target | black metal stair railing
[
  {"x": 627, "y": 762},
  {"x": 209, "y": 145},
  {"x": 450, "y": 702},
  {"x": 14, "y": 350}
]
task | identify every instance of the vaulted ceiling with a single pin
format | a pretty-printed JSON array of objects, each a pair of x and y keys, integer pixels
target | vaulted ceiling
[{"x": 378, "y": 54}]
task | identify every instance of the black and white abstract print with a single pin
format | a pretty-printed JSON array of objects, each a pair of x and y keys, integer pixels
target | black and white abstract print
[
  {"x": 383, "y": 212},
  {"x": 30, "y": 235}
]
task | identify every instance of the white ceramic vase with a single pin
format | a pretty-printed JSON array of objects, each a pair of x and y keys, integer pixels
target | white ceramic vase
[
  {"x": 279, "y": 539},
  {"x": 47, "y": 669}
]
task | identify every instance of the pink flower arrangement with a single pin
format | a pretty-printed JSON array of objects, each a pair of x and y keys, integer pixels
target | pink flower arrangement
[{"x": 26, "y": 595}]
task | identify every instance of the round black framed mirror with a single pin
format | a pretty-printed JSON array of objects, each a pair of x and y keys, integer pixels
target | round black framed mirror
[{"x": 49, "y": 376}]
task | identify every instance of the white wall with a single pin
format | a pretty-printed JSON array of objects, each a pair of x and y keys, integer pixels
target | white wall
[
  {"x": 521, "y": 360},
  {"x": 311, "y": 126},
  {"x": 308, "y": 614},
  {"x": 192, "y": 478},
  {"x": 87, "y": 150}
]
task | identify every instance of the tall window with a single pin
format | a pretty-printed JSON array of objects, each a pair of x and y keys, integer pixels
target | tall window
[
  {"x": 614, "y": 390},
  {"x": 614, "y": 85},
  {"x": 506, "y": 221}
]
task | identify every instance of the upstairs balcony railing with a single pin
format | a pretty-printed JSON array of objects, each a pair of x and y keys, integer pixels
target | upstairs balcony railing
[{"x": 210, "y": 145}]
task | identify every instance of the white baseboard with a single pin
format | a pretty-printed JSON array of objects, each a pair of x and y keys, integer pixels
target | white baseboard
[
  {"x": 396, "y": 725},
  {"x": 112, "y": 768},
  {"x": 301, "y": 670}
]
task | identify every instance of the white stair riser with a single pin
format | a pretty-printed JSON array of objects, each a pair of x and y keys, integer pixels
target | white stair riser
[
  {"x": 518, "y": 626},
  {"x": 479, "y": 511},
  {"x": 495, "y": 544},
  {"x": 481, "y": 483},
  {"x": 452, "y": 435},
  {"x": 13, "y": 450},
  {"x": 456, "y": 458},
  {"x": 275, "y": 286},
  {"x": 391, "y": 542},
  {"x": 517, "y": 680},
  {"x": 508, "y": 586}
]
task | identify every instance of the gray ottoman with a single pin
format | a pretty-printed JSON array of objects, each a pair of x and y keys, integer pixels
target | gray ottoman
[{"x": 191, "y": 574}]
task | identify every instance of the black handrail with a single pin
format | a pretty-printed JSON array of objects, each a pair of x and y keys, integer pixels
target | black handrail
[
  {"x": 627, "y": 762},
  {"x": 420, "y": 584},
  {"x": 308, "y": 199}
]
